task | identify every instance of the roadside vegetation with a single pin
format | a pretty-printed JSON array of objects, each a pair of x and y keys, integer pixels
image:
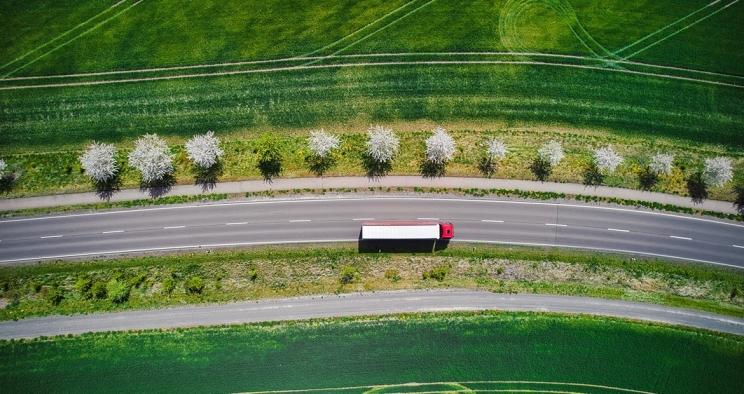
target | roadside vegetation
[
  {"x": 444, "y": 352},
  {"x": 592, "y": 158},
  {"x": 276, "y": 272}
]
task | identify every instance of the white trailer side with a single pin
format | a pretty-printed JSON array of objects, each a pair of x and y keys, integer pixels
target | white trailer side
[{"x": 400, "y": 230}]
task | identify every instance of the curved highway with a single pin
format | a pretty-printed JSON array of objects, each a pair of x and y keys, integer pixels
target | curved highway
[
  {"x": 379, "y": 303},
  {"x": 339, "y": 219}
]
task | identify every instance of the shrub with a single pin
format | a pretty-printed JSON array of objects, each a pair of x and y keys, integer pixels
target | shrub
[
  {"x": 83, "y": 286},
  {"x": 137, "y": 280},
  {"x": 392, "y": 275},
  {"x": 34, "y": 286},
  {"x": 438, "y": 273},
  {"x": 55, "y": 295},
  {"x": 349, "y": 274},
  {"x": 169, "y": 284},
  {"x": 117, "y": 291},
  {"x": 268, "y": 150},
  {"x": 98, "y": 290},
  {"x": 195, "y": 285},
  {"x": 253, "y": 274}
]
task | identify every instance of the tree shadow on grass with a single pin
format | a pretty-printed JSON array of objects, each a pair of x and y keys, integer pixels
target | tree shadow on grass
[
  {"x": 8, "y": 182},
  {"x": 487, "y": 167},
  {"x": 541, "y": 169},
  {"x": 696, "y": 188},
  {"x": 376, "y": 169},
  {"x": 593, "y": 176},
  {"x": 269, "y": 169},
  {"x": 320, "y": 165},
  {"x": 431, "y": 169},
  {"x": 207, "y": 177},
  {"x": 647, "y": 179},
  {"x": 739, "y": 199},
  {"x": 106, "y": 189},
  {"x": 159, "y": 188}
]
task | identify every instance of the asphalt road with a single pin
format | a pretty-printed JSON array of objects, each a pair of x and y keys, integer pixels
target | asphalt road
[
  {"x": 358, "y": 305},
  {"x": 339, "y": 219}
]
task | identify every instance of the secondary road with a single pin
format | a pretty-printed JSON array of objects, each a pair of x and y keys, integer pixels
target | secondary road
[
  {"x": 339, "y": 219},
  {"x": 359, "y": 305}
]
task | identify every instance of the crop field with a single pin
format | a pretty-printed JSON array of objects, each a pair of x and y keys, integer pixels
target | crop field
[
  {"x": 471, "y": 352},
  {"x": 113, "y": 70}
]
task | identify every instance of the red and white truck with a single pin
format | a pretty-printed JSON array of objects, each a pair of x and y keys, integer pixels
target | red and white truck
[{"x": 407, "y": 230}]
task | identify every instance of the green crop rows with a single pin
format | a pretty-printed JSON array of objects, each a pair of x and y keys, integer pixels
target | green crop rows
[
  {"x": 631, "y": 67},
  {"x": 576, "y": 354}
]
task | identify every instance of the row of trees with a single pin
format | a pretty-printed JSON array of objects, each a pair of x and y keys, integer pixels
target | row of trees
[{"x": 153, "y": 158}]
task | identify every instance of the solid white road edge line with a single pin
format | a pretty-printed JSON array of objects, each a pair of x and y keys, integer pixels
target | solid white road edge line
[
  {"x": 598, "y": 249},
  {"x": 224, "y": 204},
  {"x": 183, "y": 247}
]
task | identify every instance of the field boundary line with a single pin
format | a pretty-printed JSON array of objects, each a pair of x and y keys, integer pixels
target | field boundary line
[
  {"x": 96, "y": 26},
  {"x": 617, "y": 52},
  {"x": 372, "y": 55},
  {"x": 358, "y": 30},
  {"x": 679, "y": 31},
  {"x": 419, "y": 384},
  {"x": 79, "y": 25},
  {"x": 370, "y": 64}
]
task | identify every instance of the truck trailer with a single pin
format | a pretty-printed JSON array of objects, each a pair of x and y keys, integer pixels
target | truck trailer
[{"x": 407, "y": 230}]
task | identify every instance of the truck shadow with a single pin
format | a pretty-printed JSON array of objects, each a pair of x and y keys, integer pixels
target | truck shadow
[{"x": 401, "y": 245}]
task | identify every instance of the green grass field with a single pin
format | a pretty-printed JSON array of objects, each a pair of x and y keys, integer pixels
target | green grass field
[
  {"x": 630, "y": 67},
  {"x": 473, "y": 352}
]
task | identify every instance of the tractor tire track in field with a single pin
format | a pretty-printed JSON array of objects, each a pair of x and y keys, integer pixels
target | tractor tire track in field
[
  {"x": 60, "y": 46},
  {"x": 601, "y": 67},
  {"x": 76, "y": 27}
]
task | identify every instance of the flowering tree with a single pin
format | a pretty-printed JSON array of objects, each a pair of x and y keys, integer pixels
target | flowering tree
[
  {"x": 3, "y": 165},
  {"x": 662, "y": 163},
  {"x": 551, "y": 153},
  {"x": 440, "y": 147},
  {"x": 382, "y": 144},
  {"x": 717, "y": 171},
  {"x": 322, "y": 143},
  {"x": 99, "y": 161},
  {"x": 204, "y": 150},
  {"x": 606, "y": 159},
  {"x": 495, "y": 149},
  {"x": 152, "y": 157}
]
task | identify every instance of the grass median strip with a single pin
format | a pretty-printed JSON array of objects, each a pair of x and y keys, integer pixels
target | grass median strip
[{"x": 286, "y": 271}]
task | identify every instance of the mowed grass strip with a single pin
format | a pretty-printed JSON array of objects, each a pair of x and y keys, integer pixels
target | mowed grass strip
[{"x": 392, "y": 350}]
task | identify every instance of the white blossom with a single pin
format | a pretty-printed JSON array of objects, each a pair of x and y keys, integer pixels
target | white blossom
[
  {"x": 321, "y": 143},
  {"x": 152, "y": 157},
  {"x": 204, "y": 150},
  {"x": 382, "y": 144},
  {"x": 2, "y": 167},
  {"x": 607, "y": 159},
  {"x": 717, "y": 171},
  {"x": 440, "y": 147},
  {"x": 662, "y": 163},
  {"x": 495, "y": 149},
  {"x": 551, "y": 152},
  {"x": 99, "y": 161}
]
